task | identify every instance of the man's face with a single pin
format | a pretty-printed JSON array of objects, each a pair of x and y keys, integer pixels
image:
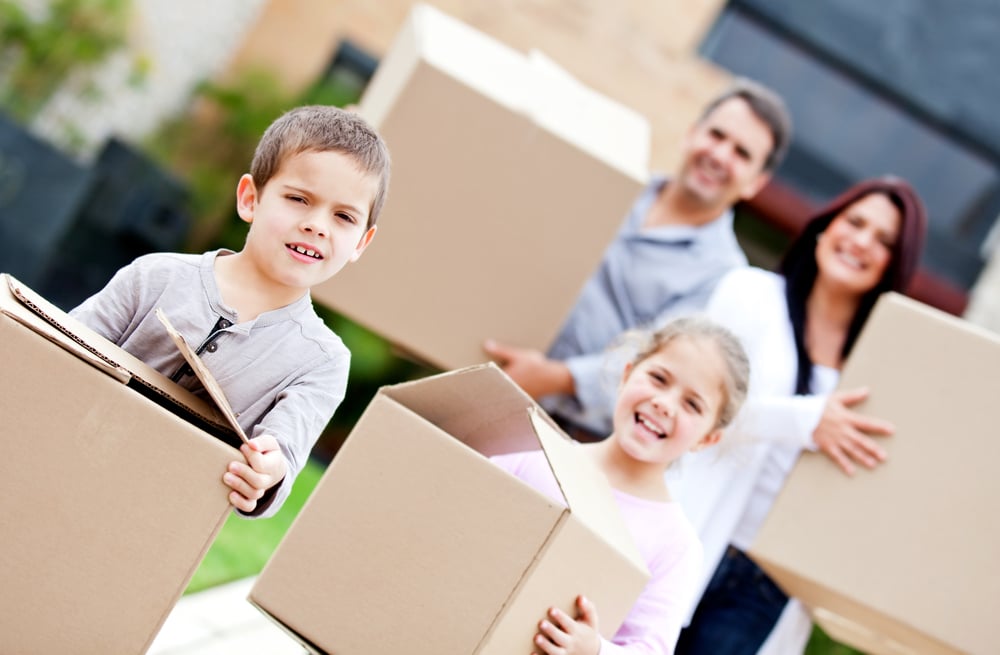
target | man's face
[{"x": 725, "y": 154}]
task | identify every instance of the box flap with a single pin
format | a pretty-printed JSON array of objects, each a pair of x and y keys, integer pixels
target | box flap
[
  {"x": 28, "y": 308},
  {"x": 872, "y": 641},
  {"x": 479, "y": 61},
  {"x": 470, "y": 119},
  {"x": 206, "y": 377},
  {"x": 598, "y": 125},
  {"x": 109, "y": 503},
  {"x": 418, "y": 527},
  {"x": 534, "y": 85},
  {"x": 585, "y": 488},
  {"x": 479, "y": 405},
  {"x": 32, "y": 320}
]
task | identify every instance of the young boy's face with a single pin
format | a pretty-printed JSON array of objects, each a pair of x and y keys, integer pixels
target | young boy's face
[{"x": 309, "y": 220}]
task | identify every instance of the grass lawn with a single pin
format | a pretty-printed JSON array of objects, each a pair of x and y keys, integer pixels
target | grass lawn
[{"x": 243, "y": 546}]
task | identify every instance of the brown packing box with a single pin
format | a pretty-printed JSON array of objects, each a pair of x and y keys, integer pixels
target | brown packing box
[
  {"x": 413, "y": 536},
  {"x": 110, "y": 500},
  {"x": 903, "y": 560},
  {"x": 509, "y": 179}
]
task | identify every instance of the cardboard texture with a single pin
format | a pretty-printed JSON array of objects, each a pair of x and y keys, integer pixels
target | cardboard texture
[
  {"x": 509, "y": 179},
  {"x": 903, "y": 559},
  {"x": 413, "y": 535},
  {"x": 110, "y": 499},
  {"x": 213, "y": 388}
]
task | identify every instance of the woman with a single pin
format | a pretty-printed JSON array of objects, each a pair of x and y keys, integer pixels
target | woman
[{"x": 798, "y": 327}]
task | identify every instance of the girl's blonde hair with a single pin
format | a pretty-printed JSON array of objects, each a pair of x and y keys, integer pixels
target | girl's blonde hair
[{"x": 737, "y": 377}]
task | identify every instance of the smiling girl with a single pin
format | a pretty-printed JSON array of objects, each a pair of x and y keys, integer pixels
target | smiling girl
[{"x": 680, "y": 391}]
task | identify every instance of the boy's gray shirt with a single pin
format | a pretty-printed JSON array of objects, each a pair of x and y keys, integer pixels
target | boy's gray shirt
[
  {"x": 284, "y": 373},
  {"x": 646, "y": 277}
]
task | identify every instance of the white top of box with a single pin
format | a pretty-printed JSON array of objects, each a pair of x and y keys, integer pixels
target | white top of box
[{"x": 532, "y": 85}]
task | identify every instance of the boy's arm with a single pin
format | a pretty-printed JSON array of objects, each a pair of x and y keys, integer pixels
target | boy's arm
[
  {"x": 111, "y": 311},
  {"x": 300, "y": 413}
]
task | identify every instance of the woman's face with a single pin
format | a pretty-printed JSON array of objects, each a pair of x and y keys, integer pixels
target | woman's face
[{"x": 855, "y": 249}]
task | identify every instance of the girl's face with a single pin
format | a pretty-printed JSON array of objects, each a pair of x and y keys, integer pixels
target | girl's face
[
  {"x": 669, "y": 403},
  {"x": 855, "y": 249}
]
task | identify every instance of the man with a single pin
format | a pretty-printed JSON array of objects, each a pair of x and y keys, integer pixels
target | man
[{"x": 676, "y": 242}]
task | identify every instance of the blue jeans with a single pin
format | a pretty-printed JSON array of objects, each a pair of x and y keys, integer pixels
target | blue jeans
[{"x": 739, "y": 608}]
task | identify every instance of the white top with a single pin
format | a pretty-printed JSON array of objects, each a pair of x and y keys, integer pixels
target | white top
[
  {"x": 777, "y": 465},
  {"x": 727, "y": 490}
]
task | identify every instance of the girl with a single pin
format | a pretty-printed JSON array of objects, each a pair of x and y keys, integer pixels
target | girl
[
  {"x": 798, "y": 327},
  {"x": 676, "y": 396}
]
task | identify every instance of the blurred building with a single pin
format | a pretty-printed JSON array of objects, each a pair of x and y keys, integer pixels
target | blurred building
[
  {"x": 902, "y": 87},
  {"x": 66, "y": 227}
]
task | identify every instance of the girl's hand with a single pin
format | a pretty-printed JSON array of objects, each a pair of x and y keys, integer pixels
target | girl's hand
[
  {"x": 264, "y": 468},
  {"x": 843, "y": 434},
  {"x": 562, "y": 635}
]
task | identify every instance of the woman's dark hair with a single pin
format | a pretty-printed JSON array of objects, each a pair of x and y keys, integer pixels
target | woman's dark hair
[{"x": 799, "y": 263}]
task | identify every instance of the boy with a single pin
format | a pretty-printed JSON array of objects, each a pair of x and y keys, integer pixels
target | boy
[{"x": 316, "y": 185}]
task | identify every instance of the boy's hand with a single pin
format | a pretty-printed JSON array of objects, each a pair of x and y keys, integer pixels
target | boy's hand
[
  {"x": 531, "y": 370},
  {"x": 264, "y": 467},
  {"x": 562, "y": 635}
]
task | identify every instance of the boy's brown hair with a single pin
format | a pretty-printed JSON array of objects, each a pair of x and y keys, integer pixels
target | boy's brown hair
[{"x": 322, "y": 128}]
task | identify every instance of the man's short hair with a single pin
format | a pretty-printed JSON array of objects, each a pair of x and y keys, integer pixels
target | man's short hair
[{"x": 768, "y": 107}]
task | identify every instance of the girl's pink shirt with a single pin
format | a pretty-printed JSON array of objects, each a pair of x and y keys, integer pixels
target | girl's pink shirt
[{"x": 668, "y": 544}]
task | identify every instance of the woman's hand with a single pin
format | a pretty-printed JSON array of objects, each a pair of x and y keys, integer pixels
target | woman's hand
[
  {"x": 531, "y": 370},
  {"x": 845, "y": 436},
  {"x": 562, "y": 635}
]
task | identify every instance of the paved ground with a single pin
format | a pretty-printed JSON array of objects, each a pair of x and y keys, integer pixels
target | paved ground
[{"x": 220, "y": 621}]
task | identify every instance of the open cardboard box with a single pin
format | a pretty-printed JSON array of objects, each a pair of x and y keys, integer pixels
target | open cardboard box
[
  {"x": 111, "y": 479},
  {"x": 903, "y": 559},
  {"x": 509, "y": 179},
  {"x": 413, "y": 535}
]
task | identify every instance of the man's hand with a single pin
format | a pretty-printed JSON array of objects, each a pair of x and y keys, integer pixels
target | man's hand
[
  {"x": 562, "y": 635},
  {"x": 264, "y": 468},
  {"x": 531, "y": 370},
  {"x": 844, "y": 435}
]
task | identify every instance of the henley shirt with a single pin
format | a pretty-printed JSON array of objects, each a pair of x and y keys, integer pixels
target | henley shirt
[{"x": 284, "y": 373}]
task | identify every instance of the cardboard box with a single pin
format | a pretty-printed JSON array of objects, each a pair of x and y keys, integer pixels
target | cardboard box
[
  {"x": 110, "y": 497},
  {"x": 413, "y": 535},
  {"x": 509, "y": 179},
  {"x": 903, "y": 559}
]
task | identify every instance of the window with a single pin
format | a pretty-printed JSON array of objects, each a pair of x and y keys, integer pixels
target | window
[{"x": 850, "y": 125}]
